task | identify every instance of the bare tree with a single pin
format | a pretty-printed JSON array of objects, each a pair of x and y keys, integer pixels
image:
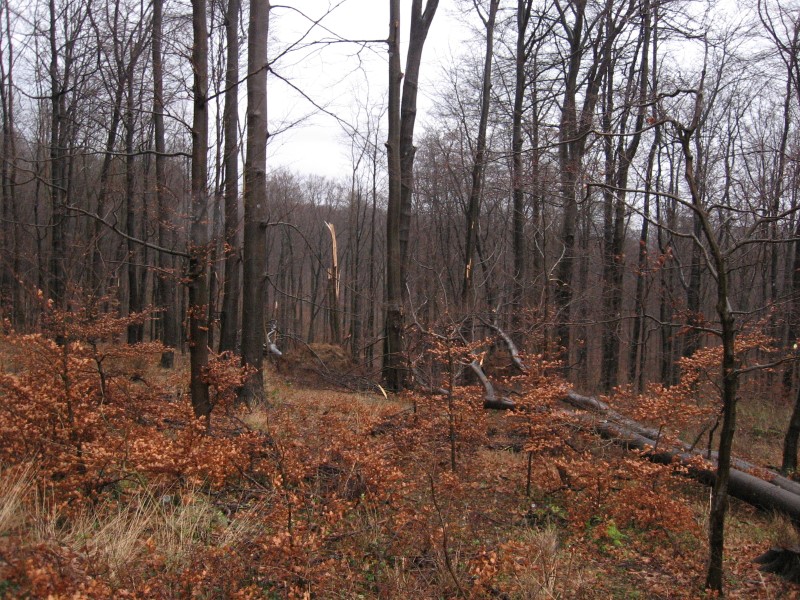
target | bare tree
[
  {"x": 229, "y": 319},
  {"x": 479, "y": 158},
  {"x": 198, "y": 244},
  {"x": 401, "y": 152},
  {"x": 255, "y": 203}
]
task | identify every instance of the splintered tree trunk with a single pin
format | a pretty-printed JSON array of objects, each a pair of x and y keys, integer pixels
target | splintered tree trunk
[
  {"x": 229, "y": 319},
  {"x": 333, "y": 290},
  {"x": 198, "y": 243},
  {"x": 255, "y": 204}
]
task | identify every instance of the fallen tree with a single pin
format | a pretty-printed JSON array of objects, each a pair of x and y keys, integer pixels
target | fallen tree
[{"x": 778, "y": 494}]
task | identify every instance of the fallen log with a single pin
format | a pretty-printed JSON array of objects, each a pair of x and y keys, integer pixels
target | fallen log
[
  {"x": 744, "y": 486},
  {"x": 512, "y": 347},
  {"x": 597, "y": 406},
  {"x": 491, "y": 400}
]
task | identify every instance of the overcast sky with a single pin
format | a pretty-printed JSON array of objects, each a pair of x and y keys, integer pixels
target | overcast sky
[{"x": 342, "y": 76}]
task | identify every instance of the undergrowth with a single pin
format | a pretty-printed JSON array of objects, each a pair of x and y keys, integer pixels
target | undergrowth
[{"x": 110, "y": 489}]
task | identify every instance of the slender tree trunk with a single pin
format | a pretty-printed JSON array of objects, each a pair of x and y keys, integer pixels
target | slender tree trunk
[
  {"x": 393, "y": 340},
  {"x": 418, "y": 33},
  {"x": 134, "y": 261},
  {"x": 479, "y": 161},
  {"x": 729, "y": 364},
  {"x": 10, "y": 289},
  {"x": 641, "y": 274},
  {"x": 165, "y": 283},
  {"x": 57, "y": 170},
  {"x": 790, "y": 442},
  {"x": 255, "y": 204},
  {"x": 617, "y": 175},
  {"x": 229, "y": 319},
  {"x": 518, "y": 173},
  {"x": 198, "y": 243}
]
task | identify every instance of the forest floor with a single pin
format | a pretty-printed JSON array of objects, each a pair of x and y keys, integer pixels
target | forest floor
[{"x": 338, "y": 494}]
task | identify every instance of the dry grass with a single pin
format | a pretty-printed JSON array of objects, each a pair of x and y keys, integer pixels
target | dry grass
[
  {"x": 555, "y": 571},
  {"x": 115, "y": 537},
  {"x": 15, "y": 489}
]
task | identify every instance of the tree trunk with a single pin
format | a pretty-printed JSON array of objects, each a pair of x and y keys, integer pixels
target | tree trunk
[
  {"x": 478, "y": 164},
  {"x": 198, "y": 243},
  {"x": 518, "y": 173},
  {"x": 618, "y": 168},
  {"x": 789, "y": 463},
  {"x": 165, "y": 284},
  {"x": 134, "y": 259},
  {"x": 418, "y": 33},
  {"x": 229, "y": 318},
  {"x": 744, "y": 486},
  {"x": 401, "y": 151},
  {"x": 574, "y": 126},
  {"x": 255, "y": 204},
  {"x": 393, "y": 341},
  {"x": 57, "y": 186}
]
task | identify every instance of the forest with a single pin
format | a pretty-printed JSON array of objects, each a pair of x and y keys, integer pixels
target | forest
[{"x": 537, "y": 339}]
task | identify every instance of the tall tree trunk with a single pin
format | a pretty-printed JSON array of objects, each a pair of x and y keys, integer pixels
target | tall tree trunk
[
  {"x": 255, "y": 203},
  {"x": 229, "y": 318},
  {"x": 574, "y": 126},
  {"x": 418, "y": 33},
  {"x": 56, "y": 271},
  {"x": 518, "y": 173},
  {"x": 11, "y": 248},
  {"x": 617, "y": 176},
  {"x": 637, "y": 347},
  {"x": 479, "y": 161},
  {"x": 401, "y": 151},
  {"x": 790, "y": 442},
  {"x": 165, "y": 284},
  {"x": 198, "y": 243},
  {"x": 134, "y": 262},
  {"x": 729, "y": 363},
  {"x": 393, "y": 373}
]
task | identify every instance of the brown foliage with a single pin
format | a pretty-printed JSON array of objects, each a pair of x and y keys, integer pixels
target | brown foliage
[{"x": 323, "y": 494}]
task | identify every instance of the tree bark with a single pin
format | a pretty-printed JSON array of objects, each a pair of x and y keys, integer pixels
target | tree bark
[
  {"x": 744, "y": 486},
  {"x": 418, "y": 33},
  {"x": 57, "y": 275},
  {"x": 518, "y": 173},
  {"x": 229, "y": 318},
  {"x": 255, "y": 204},
  {"x": 198, "y": 243},
  {"x": 574, "y": 126},
  {"x": 401, "y": 152},
  {"x": 393, "y": 373},
  {"x": 479, "y": 160},
  {"x": 618, "y": 168},
  {"x": 165, "y": 284}
]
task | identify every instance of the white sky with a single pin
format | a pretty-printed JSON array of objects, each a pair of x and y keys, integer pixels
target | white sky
[{"x": 340, "y": 78}]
